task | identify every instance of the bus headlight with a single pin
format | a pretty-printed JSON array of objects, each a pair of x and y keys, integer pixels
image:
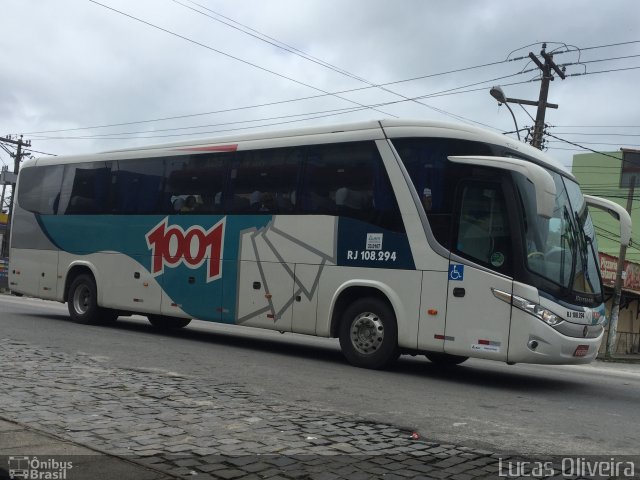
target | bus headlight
[{"x": 528, "y": 306}]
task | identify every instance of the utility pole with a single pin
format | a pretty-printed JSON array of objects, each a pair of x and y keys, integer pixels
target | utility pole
[
  {"x": 617, "y": 289},
  {"x": 16, "y": 168},
  {"x": 542, "y": 104},
  {"x": 4, "y": 188},
  {"x": 547, "y": 77},
  {"x": 629, "y": 177}
]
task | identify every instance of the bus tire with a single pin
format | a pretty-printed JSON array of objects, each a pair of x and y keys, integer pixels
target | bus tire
[
  {"x": 445, "y": 359},
  {"x": 369, "y": 333},
  {"x": 82, "y": 301},
  {"x": 163, "y": 322}
]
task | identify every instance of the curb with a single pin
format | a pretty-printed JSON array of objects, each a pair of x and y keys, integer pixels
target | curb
[{"x": 632, "y": 358}]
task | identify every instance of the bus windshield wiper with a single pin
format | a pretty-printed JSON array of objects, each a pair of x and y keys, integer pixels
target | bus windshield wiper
[
  {"x": 583, "y": 245},
  {"x": 572, "y": 246}
]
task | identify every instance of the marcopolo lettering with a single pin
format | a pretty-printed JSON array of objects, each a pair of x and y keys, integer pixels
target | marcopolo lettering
[{"x": 171, "y": 246}]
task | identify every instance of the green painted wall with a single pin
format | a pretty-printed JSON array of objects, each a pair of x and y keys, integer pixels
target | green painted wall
[{"x": 599, "y": 175}]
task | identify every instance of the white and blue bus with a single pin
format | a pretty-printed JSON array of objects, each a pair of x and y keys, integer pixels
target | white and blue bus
[{"x": 393, "y": 236}]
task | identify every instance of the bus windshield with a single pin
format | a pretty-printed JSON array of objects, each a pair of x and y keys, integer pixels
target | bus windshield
[
  {"x": 561, "y": 248},
  {"x": 559, "y": 254}
]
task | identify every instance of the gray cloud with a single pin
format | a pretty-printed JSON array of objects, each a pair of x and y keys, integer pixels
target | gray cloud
[{"x": 71, "y": 63}]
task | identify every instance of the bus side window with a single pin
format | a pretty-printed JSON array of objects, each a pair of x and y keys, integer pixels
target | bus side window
[
  {"x": 194, "y": 183},
  {"x": 263, "y": 182},
  {"x": 349, "y": 180},
  {"x": 336, "y": 180},
  {"x": 40, "y": 189},
  {"x": 435, "y": 178},
  {"x": 138, "y": 186},
  {"x": 86, "y": 189}
]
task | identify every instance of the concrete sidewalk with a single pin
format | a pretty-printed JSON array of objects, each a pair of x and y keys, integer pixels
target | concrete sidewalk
[
  {"x": 22, "y": 448},
  {"x": 621, "y": 358}
]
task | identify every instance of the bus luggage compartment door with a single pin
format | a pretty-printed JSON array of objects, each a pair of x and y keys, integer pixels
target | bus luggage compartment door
[{"x": 265, "y": 295}]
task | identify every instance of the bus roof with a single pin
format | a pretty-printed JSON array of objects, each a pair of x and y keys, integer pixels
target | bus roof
[{"x": 348, "y": 132}]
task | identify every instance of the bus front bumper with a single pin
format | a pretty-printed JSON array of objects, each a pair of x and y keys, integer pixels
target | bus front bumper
[{"x": 533, "y": 341}]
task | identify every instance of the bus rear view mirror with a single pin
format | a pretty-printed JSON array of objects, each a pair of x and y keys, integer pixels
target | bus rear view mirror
[
  {"x": 617, "y": 212},
  {"x": 541, "y": 179}
]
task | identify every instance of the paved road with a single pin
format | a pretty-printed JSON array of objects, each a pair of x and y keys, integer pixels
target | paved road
[{"x": 480, "y": 405}]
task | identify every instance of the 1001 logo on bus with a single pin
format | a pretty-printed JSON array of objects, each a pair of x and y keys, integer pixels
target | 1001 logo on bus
[{"x": 170, "y": 246}]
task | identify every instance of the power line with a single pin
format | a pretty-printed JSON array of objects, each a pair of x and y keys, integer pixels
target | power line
[
  {"x": 254, "y": 65},
  {"x": 600, "y": 168},
  {"x": 610, "y": 59},
  {"x": 343, "y": 111},
  {"x": 372, "y": 85},
  {"x": 602, "y": 143},
  {"x": 295, "y": 51},
  {"x": 583, "y": 134},
  {"x": 582, "y": 147},
  {"x": 270, "y": 40},
  {"x": 596, "y": 47},
  {"x": 451, "y": 91},
  {"x": 42, "y": 153},
  {"x": 336, "y": 111},
  {"x": 6, "y": 149},
  {"x": 595, "y": 126},
  {"x": 609, "y": 235},
  {"x": 592, "y": 73}
]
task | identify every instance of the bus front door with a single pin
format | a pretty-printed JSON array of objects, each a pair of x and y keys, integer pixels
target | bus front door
[{"x": 477, "y": 321}]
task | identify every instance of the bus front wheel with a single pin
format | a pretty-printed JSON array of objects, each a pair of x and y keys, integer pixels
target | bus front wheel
[
  {"x": 369, "y": 334},
  {"x": 166, "y": 323},
  {"x": 83, "y": 300}
]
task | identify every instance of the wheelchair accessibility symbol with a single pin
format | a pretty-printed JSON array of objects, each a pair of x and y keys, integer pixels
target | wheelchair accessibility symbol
[{"x": 456, "y": 273}]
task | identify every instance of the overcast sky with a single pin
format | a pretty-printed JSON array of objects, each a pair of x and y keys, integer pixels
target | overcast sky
[{"x": 70, "y": 64}]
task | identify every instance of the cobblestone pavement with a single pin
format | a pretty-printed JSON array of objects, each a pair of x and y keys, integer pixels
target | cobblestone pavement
[{"x": 180, "y": 427}]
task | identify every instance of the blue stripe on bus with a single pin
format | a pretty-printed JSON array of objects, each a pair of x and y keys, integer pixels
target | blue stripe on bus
[{"x": 359, "y": 244}]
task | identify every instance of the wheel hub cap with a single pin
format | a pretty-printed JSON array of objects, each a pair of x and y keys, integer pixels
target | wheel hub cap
[
  {"x": 81, "y": 299},
  {"x": 367, "y": 333}
]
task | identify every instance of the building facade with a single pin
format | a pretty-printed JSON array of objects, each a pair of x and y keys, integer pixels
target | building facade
[{"x": 599, "y": 175}]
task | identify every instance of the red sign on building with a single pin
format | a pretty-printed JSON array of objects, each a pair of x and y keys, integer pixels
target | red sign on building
[{"x": 609, "y": 267}]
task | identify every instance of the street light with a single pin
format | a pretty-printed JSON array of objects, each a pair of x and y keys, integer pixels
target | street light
[{"x": 497, "y": 93}]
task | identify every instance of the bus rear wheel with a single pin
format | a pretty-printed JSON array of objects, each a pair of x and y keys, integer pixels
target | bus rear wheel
[
  {"x": 369, "y": 334},
  {"x": 82, "y": 301},
  {"x": 168, "y": 323},
  {"x": 445, "y": 359}
]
